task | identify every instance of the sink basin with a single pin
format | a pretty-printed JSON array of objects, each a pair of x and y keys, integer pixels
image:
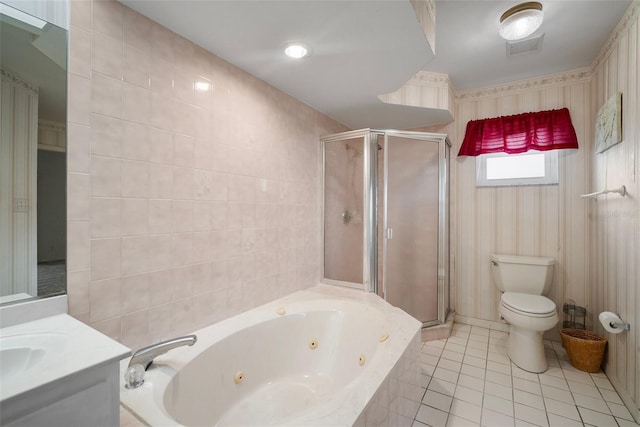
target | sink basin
[
  {"x": 14, "y": 361},
  {"x": 24, "y": 352}
]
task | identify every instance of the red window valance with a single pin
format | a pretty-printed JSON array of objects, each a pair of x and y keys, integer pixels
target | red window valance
[{"x": 542, "y": 131}]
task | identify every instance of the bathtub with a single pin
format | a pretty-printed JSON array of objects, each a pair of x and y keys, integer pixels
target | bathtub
[{"x": 325, "y": 356}]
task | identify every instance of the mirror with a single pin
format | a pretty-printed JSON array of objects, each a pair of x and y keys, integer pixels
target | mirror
[{"x": 33, "y": 114}]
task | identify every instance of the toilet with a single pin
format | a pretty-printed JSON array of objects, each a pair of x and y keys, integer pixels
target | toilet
[{"x": 523, "y": 281}]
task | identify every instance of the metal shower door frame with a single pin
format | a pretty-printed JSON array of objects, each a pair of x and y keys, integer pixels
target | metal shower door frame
[
  {"x": 370, "y": 209},
  {"x": 443, "y": 229},
  {"x": 369, "y": 272}
]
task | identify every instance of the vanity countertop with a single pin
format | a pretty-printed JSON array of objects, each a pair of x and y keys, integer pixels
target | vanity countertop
[{"x": 37, "y": 353}]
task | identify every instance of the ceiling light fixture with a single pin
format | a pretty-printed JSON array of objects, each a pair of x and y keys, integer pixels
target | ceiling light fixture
[
  {"x": 202, "y": 86},
  {"x": 521, "y": 20},
  {"x": 296, "y": 50}
]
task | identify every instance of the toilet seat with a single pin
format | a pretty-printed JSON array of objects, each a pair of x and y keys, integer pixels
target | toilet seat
[{"x": 528, "y": 305}]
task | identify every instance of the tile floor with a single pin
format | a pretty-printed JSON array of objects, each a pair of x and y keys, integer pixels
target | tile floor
[{"x": 470, "y": 381}]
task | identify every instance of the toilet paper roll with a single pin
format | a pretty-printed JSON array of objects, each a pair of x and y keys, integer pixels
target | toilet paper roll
[{"x": 607, "y": 319}]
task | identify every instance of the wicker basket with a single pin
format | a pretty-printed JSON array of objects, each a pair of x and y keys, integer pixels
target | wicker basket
[{"x": 585, "y": 349}]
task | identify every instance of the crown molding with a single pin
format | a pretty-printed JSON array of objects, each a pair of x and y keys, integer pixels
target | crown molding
[
  {"x": 630, "y": 16},
  {"x": 13, "y": 79},
  {"x": 429, "y": 78},
  {"x": 574, "y": 76},
  {"x": 51, "y": 125}
]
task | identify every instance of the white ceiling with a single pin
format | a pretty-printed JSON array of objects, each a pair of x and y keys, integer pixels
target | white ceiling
[{"x": 364, "y": 48}]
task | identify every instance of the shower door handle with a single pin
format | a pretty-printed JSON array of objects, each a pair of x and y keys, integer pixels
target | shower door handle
[{"x": 389, "y": 233}]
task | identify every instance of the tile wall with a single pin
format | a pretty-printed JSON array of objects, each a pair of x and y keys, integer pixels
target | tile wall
[{"x": 185, "y": 206}]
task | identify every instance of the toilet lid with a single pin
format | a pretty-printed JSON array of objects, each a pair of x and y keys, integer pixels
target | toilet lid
[{"x": 534, "y": 304}]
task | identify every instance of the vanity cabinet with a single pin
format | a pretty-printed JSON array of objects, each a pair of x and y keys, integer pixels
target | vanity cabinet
[{"x": 66, "y": 375}]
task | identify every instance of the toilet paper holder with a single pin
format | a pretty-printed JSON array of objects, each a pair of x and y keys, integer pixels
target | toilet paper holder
[{"x": 617, "y": 325}]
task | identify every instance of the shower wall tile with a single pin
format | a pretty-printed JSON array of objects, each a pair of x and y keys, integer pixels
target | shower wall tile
[{"x": 186, "y": 206}]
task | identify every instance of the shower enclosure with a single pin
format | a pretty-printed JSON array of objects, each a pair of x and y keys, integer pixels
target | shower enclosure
[{"x": 385, "y": 217}]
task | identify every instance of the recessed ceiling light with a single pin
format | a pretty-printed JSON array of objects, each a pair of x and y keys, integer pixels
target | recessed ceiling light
[
  {"x": 521, "y": 20},
  {"x": 296, "y": 50},
  {"x": 202, "y": 86}
]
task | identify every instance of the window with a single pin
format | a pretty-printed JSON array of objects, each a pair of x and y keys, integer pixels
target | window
[{"x": 530, "y": 168}]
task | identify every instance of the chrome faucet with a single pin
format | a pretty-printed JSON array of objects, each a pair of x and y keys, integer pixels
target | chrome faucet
[{"x": 145, "y": 355}]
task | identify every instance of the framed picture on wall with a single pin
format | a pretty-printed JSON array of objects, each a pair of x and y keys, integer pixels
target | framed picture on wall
[{"x": 609, "y": 123}]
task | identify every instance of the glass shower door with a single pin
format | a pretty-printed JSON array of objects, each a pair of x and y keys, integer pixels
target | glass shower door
[{"x": 410, "y": 211}]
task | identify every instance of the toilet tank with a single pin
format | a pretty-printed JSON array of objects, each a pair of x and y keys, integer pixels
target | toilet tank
[{"x": 522, "y": 274}]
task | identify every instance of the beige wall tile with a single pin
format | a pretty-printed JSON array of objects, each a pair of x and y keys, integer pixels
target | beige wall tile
[
  {"x": 160, "y": 181},
  {"x": 136, "y": 104},
  {"x": 159, "y": 251},
  {"x": 181, "y": 282},
  {"x": 137, "y": 30},
  {"x": 106, "y": 177},
  {"x": 106, "y": 55},
  {"x": 135, "y": 179},
  {"x": 183, "y": 183},
  {"x": 182, "y": 249},
  {"x": 135, "y": 255},
  {"x": 104, "y": 297},
  {"x": 136, "y": 67},
  {"x": 160, "y": 216},
  {"x": 183, "y": 150},
  {"x": 78, "y": 148},
  {"x": 161, "y": 77},
  {"x": 110, "y": 327},
  {"x": 182, "y": 315},
  {"x": 161, "y": 111},
  {"x": 160, "y": 323},
  {"x": 105, "y": 258},
  {"x": 78, "y": 246},
  {"x": 107, "y": 18},
  {"x": 135, "y": 217},
  {"x": 219, "y": 213},
  {"x": 106, "y": 95},
  {"x": 135, "y": 329},
  {"x": 106, "y": 136},
  {"x": 80, "y": 93},
  {"x": 134, "y": 293},
  {"x": 160, "y": 146},
  {"x": 80, "y": 11},
  {"x": 158, "y": 160},
  {"x": 78, "y": 187},
  {"x": 106, "y": 216},
  {"x": 135, "y": 141},
  {"x": 160, "y": 289},
  {"x": 78, "y": 290},
  {"x": 79, "y": 51},
  {"x": 201, "y": 278}
]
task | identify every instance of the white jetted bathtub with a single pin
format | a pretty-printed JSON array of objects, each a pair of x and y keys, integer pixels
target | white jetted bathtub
[{"x": 325, "y": 356}]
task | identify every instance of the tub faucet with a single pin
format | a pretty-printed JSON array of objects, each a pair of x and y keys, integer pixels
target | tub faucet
[{"x": 145, "y": 355}]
